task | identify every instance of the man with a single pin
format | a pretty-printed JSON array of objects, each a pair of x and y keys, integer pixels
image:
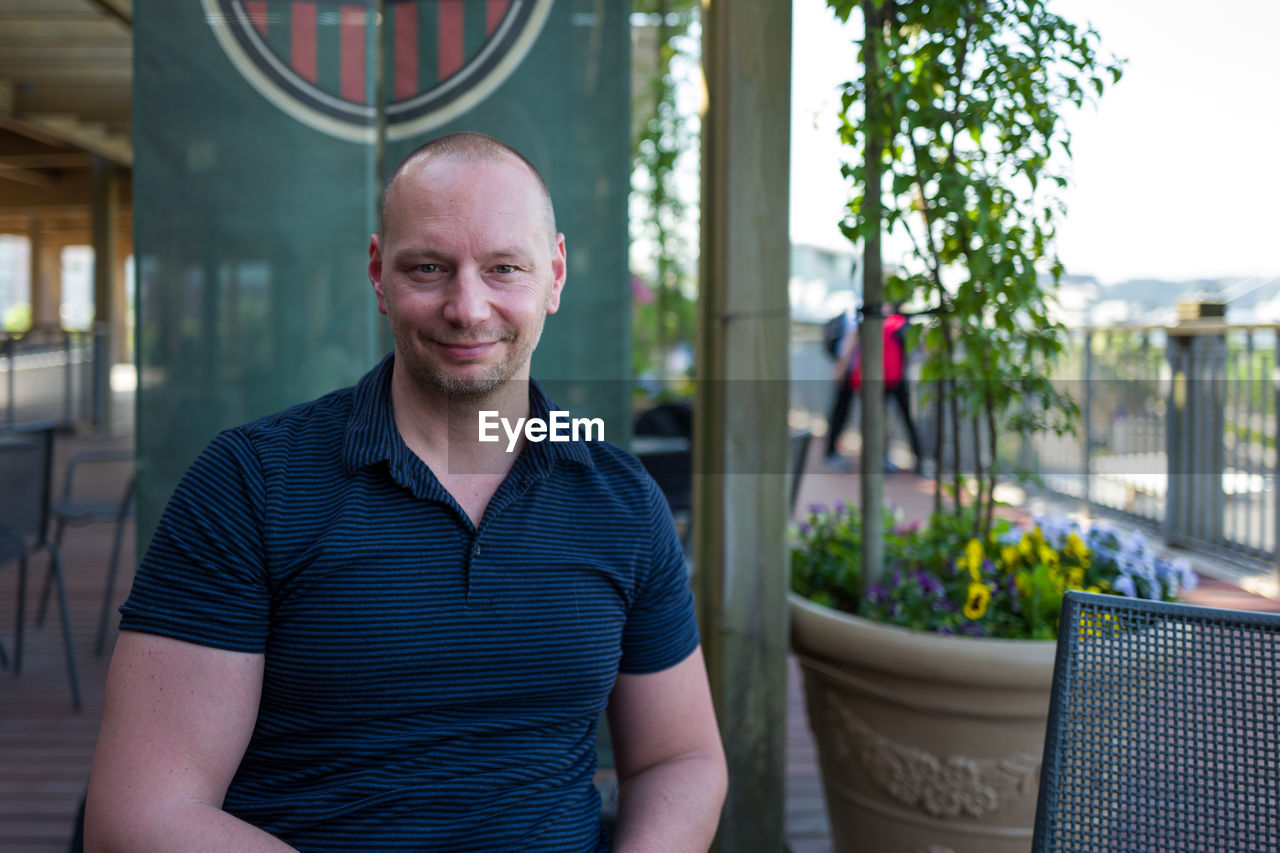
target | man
[{"x": 360, "y": 627}]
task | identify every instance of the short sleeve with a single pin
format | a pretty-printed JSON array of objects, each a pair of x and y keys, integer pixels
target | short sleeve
[
  {"x": 662, "y": 627},
  {"x": 203, "y": 578}
]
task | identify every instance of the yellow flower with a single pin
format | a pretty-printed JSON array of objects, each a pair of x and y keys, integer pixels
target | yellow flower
[
  {"x": 1009, "y": 556},
  {"x": 975, "y": 607},
  {"x": 1094, "y": 588},
  {"x": 1027, "y": 546},
  {"x": 1022, "y": 582},
  {"x": 973, "y": 556},
  {"x": 1050, "y": 557},
  {"x": 1076, "y": 547},
  {"x": 1075, "y": 578}
]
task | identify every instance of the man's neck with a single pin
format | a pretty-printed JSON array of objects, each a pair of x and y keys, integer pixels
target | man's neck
[{"x": 444, "y": 431}]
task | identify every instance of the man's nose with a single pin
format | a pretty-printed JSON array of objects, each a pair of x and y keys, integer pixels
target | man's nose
[{"x": 467, "y": 303}]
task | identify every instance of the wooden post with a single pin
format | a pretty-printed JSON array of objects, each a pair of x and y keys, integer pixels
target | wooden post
[
  {"x": 45, "y": 263},
  {"x": 741, "y": 436},
  {"x": 106, "y": 203}
]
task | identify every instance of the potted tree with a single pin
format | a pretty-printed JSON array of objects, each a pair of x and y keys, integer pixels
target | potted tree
[{"x": 928, "y": 651}]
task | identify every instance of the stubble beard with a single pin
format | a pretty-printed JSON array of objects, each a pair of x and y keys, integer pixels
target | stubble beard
[{"x": 437, "y": 377}]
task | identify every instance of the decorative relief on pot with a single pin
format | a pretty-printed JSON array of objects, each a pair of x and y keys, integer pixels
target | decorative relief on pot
[{"x": 941, "y": 787}]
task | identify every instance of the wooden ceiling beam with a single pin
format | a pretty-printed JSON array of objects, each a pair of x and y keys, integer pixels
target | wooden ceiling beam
[
  {"x": 38, "y": 27},
  {"x": 121, "y": 10},
  {"x": 24, "y": 176},
  {"x": 56, "y": 160},
  {"x": 71, "y": 130}
]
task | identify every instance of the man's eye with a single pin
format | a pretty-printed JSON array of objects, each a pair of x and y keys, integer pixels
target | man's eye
[
  {"x": 504, "y": 269},
  {"x": 428, "y": 268}
]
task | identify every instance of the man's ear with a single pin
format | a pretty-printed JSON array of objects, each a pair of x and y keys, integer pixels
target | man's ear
[
  {"x": 558, "y": 273},
  {"x": 375, "y": 271}
]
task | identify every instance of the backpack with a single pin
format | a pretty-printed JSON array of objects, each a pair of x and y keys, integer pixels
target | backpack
[
  {"x": 832, "y": 334},
  {"x": 895, "y": 354}
]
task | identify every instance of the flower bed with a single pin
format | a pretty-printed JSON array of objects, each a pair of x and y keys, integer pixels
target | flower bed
[{"x": 1007, "y": 583}]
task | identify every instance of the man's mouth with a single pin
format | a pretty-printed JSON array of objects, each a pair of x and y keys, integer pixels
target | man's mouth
[{"x": 466, "y": 350}]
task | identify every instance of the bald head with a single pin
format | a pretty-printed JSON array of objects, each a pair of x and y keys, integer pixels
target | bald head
[{"x": 465, "y": 146}]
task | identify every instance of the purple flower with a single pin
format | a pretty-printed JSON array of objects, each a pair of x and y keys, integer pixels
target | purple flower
[
  {"x": 1187, "y": 577},
  {"x": 805, "y": 528},
  {"x": 929, "y": 585},
  {"x": 1124, "y": 586},
  {"x": 817, "y": 509}
]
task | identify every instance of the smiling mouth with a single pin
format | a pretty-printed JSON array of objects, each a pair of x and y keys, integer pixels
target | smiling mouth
[{"x": 466, "y": 351}]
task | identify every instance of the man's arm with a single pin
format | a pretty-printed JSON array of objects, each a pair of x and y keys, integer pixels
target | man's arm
[
  {"x": 177, "y": 720},
  {"x": 670, "y": 762}
]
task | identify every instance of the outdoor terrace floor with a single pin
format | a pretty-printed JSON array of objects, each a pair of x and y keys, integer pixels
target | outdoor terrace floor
[{"x": 46, "y": 747}]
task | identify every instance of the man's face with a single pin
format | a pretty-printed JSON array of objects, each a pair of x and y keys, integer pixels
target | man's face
[{"x": 466, "y": 272}]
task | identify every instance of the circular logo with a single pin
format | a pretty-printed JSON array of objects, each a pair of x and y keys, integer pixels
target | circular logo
[{"x": 319, "y": 61}]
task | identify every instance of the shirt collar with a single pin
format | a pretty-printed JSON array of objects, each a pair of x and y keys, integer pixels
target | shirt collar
[{"x": 371, "y": 434}]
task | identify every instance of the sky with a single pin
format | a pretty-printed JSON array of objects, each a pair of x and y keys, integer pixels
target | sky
[{"x": 1175, "y": 172}]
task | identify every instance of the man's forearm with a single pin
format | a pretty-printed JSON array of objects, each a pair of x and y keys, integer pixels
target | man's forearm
[
  {"x": 194, "y": 827},
  {"x": 671, "y": 807}
]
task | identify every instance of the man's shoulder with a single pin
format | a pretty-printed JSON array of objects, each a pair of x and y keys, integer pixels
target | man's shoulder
[
  {"x": 621, "y": 474},
  {"x": 313, "y": 428},
  {"x": 327, "y": 413}
]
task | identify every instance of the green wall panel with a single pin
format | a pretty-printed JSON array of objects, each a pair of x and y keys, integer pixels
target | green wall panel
[{"x": 252, "y": 223}]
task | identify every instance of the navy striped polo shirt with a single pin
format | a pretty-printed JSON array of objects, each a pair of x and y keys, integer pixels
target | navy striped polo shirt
[{"x": 429, "y": 684}]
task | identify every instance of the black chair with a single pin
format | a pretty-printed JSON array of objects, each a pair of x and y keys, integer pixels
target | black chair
[
  {"x": 1162, "y": 730},
  {"x": 26, "y": 471},
  {"x": 84, "y": 506},
  {"x": 663, "y": 442}
]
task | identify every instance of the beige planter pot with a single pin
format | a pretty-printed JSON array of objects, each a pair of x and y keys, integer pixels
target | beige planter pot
[{"x": 928, "y": 744}]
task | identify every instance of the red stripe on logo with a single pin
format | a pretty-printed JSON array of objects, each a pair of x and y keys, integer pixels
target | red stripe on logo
[
  {"x": 257, "y": 12},
  {"x": 302, "y": 41},
  {"x": 494, "y": 11},
  {"x": 406, "y": 51},
  {"x": 449, "y": 45},
  {"x": 351, "y": 47}
]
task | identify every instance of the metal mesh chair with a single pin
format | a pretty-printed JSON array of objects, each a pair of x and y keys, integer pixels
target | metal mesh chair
[
  {"x": 81, "y": 506},
  {"x": 1162, "y": 729},
  {"x": 26, "y": 469}
]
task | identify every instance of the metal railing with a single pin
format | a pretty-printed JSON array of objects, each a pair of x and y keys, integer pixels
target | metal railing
[
  {"x": 46, "y": 375},
  {"x": 1177, "y": 429}
]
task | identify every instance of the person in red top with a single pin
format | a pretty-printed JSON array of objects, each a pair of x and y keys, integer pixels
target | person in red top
[{"x": 895, "y": 385}]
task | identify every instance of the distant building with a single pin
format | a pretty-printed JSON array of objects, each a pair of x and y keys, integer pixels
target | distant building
[{"x": 823, "y": 282}]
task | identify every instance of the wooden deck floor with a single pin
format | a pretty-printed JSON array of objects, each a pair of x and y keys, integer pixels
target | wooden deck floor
[{"x": 46, "y": 747}]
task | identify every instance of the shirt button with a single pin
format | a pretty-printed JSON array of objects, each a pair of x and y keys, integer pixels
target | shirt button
[{"x": 475, "y": 552}]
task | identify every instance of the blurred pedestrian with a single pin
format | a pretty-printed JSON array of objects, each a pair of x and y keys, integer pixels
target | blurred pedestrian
[{"x": 896, "y": 385}]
